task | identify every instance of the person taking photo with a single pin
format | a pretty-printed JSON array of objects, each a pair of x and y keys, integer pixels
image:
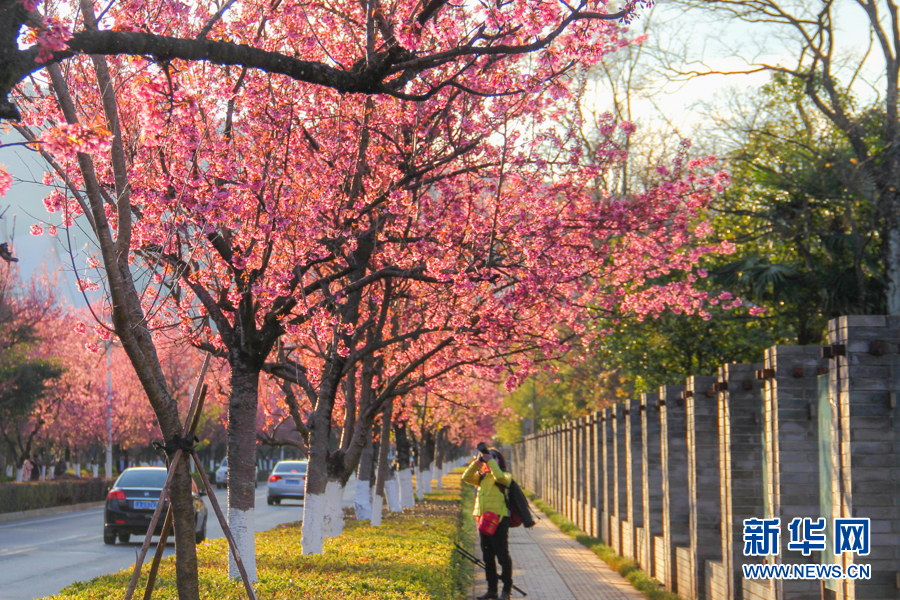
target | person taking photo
[{"x": 488, "y": 473}]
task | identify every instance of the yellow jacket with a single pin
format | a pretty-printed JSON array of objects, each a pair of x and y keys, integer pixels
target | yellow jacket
[{"x": 488, "y": 498}]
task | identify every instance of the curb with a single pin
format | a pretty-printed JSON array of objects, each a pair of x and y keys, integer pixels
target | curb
[{"x": 43, "y": 512}]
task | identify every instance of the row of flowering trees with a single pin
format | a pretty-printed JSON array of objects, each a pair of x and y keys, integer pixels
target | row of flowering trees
[
  {"x": 377, "y": 203},
  {"x": 60, "y": 380}
]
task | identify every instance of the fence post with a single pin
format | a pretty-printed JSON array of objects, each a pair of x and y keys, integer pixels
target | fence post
[
  {"x": 651, "y": 474},
  {"x": 634, "y": 480},
  {"x": 597, "y": 476},
  {"x": 741, "y": 405},
  {"x": 865, "y": 387},
  {"x": 621, "y": 479},
  {"x": 608, "y": 476},
  {"x": 676, "y": 497},
  {"x": 703, "y": 480}
]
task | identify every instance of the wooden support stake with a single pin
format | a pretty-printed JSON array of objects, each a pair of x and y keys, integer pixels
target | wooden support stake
[
  {"x": 129, "y": 593},
  {"x": 225, "y": 529},
  {"x": 170, "y": 514}
]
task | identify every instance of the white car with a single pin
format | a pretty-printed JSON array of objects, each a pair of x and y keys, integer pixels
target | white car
[
  {"x": 222, "y": 475},
  {"x": 288, "y": 480}
]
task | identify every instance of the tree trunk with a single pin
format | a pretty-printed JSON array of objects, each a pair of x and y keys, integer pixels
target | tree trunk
[
  {"x": 363, "y": 499},
  {"x": 184, "y": 519},
  {"x": 242, "y": 464},
  {"x": 892, "y": 266},
  {"x": 317, "y": 471},
  {"x": 383, "y": 449},
  {"x": 427, "y": 456},
  {"x": 439, "y": 459},
  {"x": 404, "y": 474},
  {"x": 349, "y": 409}
]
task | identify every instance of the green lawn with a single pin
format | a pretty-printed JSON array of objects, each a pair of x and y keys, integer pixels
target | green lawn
[{"x": 410, "y": 556}]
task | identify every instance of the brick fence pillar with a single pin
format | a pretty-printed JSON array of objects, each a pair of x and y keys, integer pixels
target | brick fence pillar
[
  {"x": 703, "y": 481},
  {"x": 634, "y": 478},
  {"x": 597, "y": 479},
  {"x": 608, "y": 505},
  {"x": 620, "y": 479},
  {"x": 791, "y": 454},
  {"x": 651, "y": 477},
  {"x": 676, "y": 497},
  {"x": 741, "y": 406},
  {"x": 865, "y": 389}
]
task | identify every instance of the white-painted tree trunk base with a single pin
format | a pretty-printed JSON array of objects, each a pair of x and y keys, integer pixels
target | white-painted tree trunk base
[
  {"x": 19, "y": 475},
  {"x": 242, "y": 526},
  {"x": 419, "y": 489},
  {"x": 406, "y": 491},
  {"x": 439, "y": 478},
  {"x": 312, "y": 537},
  {"x": 333, "y": 522},
  {"x": 77, "y": 469},
  {"x": 362, "y": 500},
  {"x": 392, "y": 492},
  {"x": 377, "y": 505},
  {"x": 96, "y": 469},
  {"x": 426, "y": 479}
]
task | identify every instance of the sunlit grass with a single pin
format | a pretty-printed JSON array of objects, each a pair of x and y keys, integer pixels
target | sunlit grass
[{"x": 411, "y": 556}]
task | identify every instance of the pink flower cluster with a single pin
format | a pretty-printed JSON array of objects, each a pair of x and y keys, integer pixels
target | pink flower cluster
[
  {"x": 52, "y": 36},
  {"x": 65, "y": 141},
  {"x": 5, "y": 181}
]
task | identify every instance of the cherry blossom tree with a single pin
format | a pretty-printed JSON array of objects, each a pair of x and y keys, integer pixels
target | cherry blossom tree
[
  {"x": 412, "y": 154},
  {"x": 27, "y": 375}
]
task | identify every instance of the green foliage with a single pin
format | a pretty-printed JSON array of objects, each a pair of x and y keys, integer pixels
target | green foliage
[
  {"x": 23, "y": 382},
  {"x": 668, "y": 349},
  {"x": 623, "y": 566},
  {"x": 803, "y": 219},
  {"x": 46, "y": 494},
  {"x": 411, "y": 556},
  {"x": 570, "y": 390},
  {"x": 803, "y": 214}
]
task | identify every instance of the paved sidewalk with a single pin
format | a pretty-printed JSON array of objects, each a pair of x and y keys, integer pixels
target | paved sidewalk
[{"x": 550, "y": 565}]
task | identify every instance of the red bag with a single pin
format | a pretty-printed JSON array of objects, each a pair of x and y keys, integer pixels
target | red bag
[{"x": 488, "y": 522}]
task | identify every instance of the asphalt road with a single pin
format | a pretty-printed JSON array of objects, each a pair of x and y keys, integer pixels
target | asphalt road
[{"x": 41, "y": 556}]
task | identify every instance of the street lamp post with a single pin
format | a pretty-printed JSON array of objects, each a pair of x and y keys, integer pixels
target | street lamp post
[{"x": 109, "y": 459}]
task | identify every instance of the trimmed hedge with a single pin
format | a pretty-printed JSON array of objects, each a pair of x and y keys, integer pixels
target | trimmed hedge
[{"x": 29, "y": 495}]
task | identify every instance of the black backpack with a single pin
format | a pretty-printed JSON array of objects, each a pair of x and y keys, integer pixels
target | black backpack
[{"x": 517, "y": 505}]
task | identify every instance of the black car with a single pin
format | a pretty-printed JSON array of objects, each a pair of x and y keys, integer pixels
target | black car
[{"x": 132, "y": 500}]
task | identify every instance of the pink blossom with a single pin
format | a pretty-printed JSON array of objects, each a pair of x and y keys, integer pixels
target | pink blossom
[
  {"x": 37, "y": 229},
  {"x": 5, "y": 181},
  {"x": 757, "y": 310}
]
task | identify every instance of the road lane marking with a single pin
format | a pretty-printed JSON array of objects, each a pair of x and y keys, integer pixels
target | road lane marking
[
  {"x": 71, "y": 516},
  {"x": 35, "y": 546}
]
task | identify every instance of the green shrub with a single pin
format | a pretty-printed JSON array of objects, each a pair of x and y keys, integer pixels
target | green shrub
[
  {"x": 46, "y": 494},
  {"x": 624, "y": 566}
]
